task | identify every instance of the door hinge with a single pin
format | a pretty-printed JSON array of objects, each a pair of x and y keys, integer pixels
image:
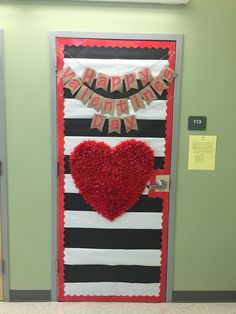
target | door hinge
[
  {"x": 58, "y": 168},
  {"x": 55, "y": 65},
  {"x": 0, "y": 168},
  {"x": 2, "y": 266},
  {"x": 57, "y": 266}
]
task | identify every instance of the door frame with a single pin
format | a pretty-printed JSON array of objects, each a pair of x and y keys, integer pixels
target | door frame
[
  {"x": 174, "y": 145},
  {"x": 3, "y": 181}
]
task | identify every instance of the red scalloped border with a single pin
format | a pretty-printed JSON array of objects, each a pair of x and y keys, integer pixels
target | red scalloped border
[{"x": 60, "y": 42}]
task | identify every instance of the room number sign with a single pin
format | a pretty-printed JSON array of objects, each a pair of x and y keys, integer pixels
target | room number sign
[{"x": 197, "y": 123}]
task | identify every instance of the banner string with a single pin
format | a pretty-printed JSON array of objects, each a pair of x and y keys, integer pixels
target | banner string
[{"x": 171, "y": 54}]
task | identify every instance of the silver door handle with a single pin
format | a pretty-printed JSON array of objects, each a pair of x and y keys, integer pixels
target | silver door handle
[{"x": 160, "y": 185}]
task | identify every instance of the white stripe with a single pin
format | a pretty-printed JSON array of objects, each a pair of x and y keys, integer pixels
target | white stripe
[
  {"x": 157, "y": 144},
  {"x": 111, "y": 289},
  {"x": 75, "y": 256},
  {"x": 69, "y": 185},
  {"x": 75, "y": 109},
  {"x": 87, "y": 219},
  {"x": 114, "y": 66}
]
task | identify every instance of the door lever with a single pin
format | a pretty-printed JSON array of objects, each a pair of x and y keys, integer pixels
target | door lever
[{"x": 160, "y": 185}]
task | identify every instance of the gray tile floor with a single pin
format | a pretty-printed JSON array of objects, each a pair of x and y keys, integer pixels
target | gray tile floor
[{"x": 117, "y": 308}]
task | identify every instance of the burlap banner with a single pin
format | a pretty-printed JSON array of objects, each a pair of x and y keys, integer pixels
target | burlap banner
[
  {"x": 115, "y": 83},
  {"x": 98, "y": 122},
  {"x": 114, "y": 123},
  {"x": 152, "y": 89}
]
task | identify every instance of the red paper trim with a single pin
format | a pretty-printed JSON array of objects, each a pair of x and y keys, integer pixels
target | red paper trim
[
  {"x": 169, "y": 118},
  {"x": 114, "y": 43},
  {"x": 60, "y": 42},
  {"x": 87, "y": 298},
  {"x": 60, "y": 132}
]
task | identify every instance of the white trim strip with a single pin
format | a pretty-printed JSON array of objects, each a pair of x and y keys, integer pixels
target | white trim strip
[
  {"x": 157, "y": 144},
  {"x": 75, "y": 109},
  {"x": 87, "y": 219},
  {"x": 76, "y": 256},
  {"x": 69, "y": 185},
  {"x": 114, "y": 66},
  {"x": 111, "y": 289}
]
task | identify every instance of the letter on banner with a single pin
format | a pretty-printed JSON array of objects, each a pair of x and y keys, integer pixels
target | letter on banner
[
  {"x": 137, "y": 102},
  {"x": 114, "y": 125},
  {"x": 84, "y": 94},
  {"x": 74, "y": 85},
  {"x": 89, "y": 76},
  {"x": 102, "y": 81},
  {"x": 148, "y": 94},
  {"x": 66, "y": 74},
  {"x": 130, "y": 81},
  {"x": 122, "y": 106},
  {"x": 130, "y": 123},
  {"x": 145, "y": 76},
  {"x": 108, "y": 106},
  {"x": 116, "y": 83},
  {"x": 168, "y": 74},
  {"x": 98, "y": 122},
  {"x": 159, "y": 85},
  {"x": 95, "y": 102}
]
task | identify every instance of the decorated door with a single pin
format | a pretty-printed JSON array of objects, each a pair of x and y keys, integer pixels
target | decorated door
[{"x": 114, "y": 132}]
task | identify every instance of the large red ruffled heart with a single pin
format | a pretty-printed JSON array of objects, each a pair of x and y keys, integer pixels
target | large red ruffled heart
[{"x": 111, "y": 179}]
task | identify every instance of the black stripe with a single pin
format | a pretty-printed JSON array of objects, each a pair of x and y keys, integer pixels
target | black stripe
[
  {"x": 116, "y": 94},
  {"x": 158, "y": 163},
  {"x": 116, "y": 53},
  {"x": 106, "y": 273},
  {"x": 112, "y": 238},
  {"x": 147, "y": 128},
  {"x": 75, "y": 201}
]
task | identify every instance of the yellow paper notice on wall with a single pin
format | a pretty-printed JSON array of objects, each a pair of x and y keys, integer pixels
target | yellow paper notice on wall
[{"x": 202, "y": 152}]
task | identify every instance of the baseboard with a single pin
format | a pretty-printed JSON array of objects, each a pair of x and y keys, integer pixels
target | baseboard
[
  {"x": 30, "y": 295},
  {"x": 177, "y": 296},
  {"x": 204, "y": 296}
]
